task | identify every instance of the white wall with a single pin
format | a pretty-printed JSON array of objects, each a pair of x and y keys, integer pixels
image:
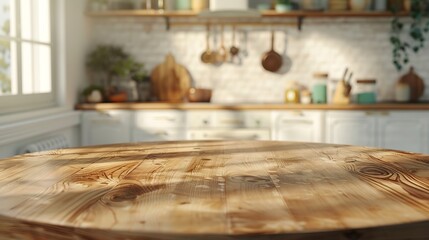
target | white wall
[{"x": 328, "y": 45}]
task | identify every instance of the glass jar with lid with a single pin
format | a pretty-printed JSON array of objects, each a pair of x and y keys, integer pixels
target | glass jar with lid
[
  {"x": 319, "y": 88},
  {"x": 366, "y": 91}
]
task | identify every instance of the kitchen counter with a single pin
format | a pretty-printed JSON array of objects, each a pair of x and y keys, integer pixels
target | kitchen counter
[
  {"x": 213, "y": 106},
  {"x": 215, "y": 190}
]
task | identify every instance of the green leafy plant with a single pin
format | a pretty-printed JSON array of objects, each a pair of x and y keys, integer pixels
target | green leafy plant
[
  {"x": 140, "y": 74},
  {"x": 417, "y": 31},
  {"x": 105, "y": 58},
  {"x": 283, "y": 2},
  {"x": 113, "y": 61}
]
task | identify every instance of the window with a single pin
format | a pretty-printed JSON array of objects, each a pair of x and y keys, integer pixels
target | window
[{"x": 26, "y": 54}]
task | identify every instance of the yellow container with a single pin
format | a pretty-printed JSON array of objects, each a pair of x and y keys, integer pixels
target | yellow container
[
  {"x": 199, "y": 5},
  {"x": 292, "y": 96}
]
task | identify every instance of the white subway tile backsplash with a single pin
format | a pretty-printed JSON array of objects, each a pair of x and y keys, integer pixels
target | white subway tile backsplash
[{"x": 328, "y": 45}]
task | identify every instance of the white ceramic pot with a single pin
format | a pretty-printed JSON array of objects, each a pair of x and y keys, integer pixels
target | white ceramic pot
[
  {"x": 380, "y": 5},
  {"x": 359, "y": 5},
  {"x": 216, "y": 5}
]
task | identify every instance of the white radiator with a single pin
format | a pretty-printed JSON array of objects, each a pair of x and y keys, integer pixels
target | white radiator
[{"x": 52, "y": 143}]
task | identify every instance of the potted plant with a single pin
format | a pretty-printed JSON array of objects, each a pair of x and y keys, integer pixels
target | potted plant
[
  {"x": 140, "y": 76},
  {"x": 283, "y": 5},
  {"x": 417, "y": 30},
  {"x": 123, "y": 72},
  {"x": 114, "y": 68}
]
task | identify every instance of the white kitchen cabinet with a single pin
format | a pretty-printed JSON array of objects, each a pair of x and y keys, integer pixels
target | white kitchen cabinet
[
  {"x": 406, "y": 131},
  {"x": 228, "y": 119},
  {"x": 158, "y": 125},
  {"x": 298, "y": 126},
  {"x": 229, "y": 125},
  {"x": 351, "y": 127},
  {"x": 107, "y": 127},
  {"x": 399, "y": 130},
  {"x": 230, "y": 134}
]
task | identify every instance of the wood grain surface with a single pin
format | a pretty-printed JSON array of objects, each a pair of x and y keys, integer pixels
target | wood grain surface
[{"x": 215, "y": 190}]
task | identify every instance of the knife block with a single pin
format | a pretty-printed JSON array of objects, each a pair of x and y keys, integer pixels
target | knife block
[{"x": 342, "y": 93}]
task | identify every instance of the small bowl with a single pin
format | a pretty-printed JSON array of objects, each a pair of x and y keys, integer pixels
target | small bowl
[{"x": 199, "y": 95}]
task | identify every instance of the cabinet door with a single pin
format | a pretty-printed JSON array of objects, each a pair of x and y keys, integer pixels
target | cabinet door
[
  {"x": 109, "y": 127},
  {"x": 351, "y": 128},
  {"x": 406, "y": 131},
  {"x": 299, "y": 126}
]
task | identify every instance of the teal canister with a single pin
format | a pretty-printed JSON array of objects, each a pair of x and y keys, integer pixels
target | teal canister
[
  {"x": 366, "y": 91},
  {"x": 184, "y": 4},
  {"x": 319, "y": 89}
]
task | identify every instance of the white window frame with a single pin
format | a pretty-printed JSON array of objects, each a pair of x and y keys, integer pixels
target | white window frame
[{"x": 24, "y": 102}]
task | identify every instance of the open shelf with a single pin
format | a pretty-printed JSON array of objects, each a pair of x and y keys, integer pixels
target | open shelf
[
  {"x": 299, "y": 15},
  {"x": 292, "y": 14}
]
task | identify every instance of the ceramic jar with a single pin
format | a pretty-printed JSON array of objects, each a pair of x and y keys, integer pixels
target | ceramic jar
[
  {"x": 199, "y": 5},
  {"x": 380, "y": 5},
  {"x": 183, "y": 4},
  {"x": 359, "y": 5}
]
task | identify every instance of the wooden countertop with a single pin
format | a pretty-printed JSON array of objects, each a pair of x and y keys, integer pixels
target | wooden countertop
[
  {"x": 212, "y": 106},
  {"x": 215, "y": 190}
]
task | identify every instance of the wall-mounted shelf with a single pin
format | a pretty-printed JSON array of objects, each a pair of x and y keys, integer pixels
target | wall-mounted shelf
[{"x": 265, "y": 15}]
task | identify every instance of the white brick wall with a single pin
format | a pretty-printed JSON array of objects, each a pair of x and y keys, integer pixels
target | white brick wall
[{"x": 323, "y": 45}]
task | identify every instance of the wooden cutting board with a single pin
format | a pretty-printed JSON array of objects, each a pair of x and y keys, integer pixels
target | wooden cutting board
[
  {"x": 170, "y": 81},
  {"x": 416, "y": 83}
]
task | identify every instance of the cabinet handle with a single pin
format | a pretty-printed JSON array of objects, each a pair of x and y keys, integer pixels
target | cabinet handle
[
  {"x": 106, "y": 121},
  {"x": 231, "y": 121},
  {"x": 249, "y": 137},
  {"x": 298, "y": 113},
  {"x": 379, "y": 113},
  {"x": 162, "y": 134},
  {"x": 105, "y": 114},
  {"x": 288, "y": 121},
  {"x": 167, "y": 119}
]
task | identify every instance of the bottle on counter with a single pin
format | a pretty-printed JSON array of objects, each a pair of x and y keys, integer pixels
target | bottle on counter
[
  {"x": 366, "y": 91},
  {"x": 319, "y": 88},
  {"x": 292, "y": 93},
  {"x": 199, "y": 5},
  {"x": 402, "y": 92},
  {"x": 183, "y": 4}
]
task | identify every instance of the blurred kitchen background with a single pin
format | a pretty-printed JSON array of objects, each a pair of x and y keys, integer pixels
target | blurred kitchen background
[{"x": 116, "y": 51}]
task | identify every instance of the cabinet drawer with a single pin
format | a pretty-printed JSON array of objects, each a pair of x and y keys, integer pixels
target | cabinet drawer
[
  {"x": 229, "y": 119},
  {"x": 151, "y": 135},
  {"x": 150, "y": 119},
  {"x": 198, "y": 119},
  {"x": 237, "y": 119},
  {"x": 228, "y": 134},
  {"x": 108, "y": 127}
]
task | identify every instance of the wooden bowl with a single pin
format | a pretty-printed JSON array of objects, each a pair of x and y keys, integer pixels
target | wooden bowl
[{"x": 199, "y": 95}]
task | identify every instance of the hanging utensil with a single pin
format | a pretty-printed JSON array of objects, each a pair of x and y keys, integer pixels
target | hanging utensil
[
  {"x": 272, "y": 61},
  {"x": 207, "y": 56},
  {"x": 234, "y": 50},
  {"x": 222, "y": 55}
]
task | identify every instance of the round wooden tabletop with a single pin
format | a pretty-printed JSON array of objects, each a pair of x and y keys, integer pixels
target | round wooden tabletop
[{"x": 215, "y": 190}]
